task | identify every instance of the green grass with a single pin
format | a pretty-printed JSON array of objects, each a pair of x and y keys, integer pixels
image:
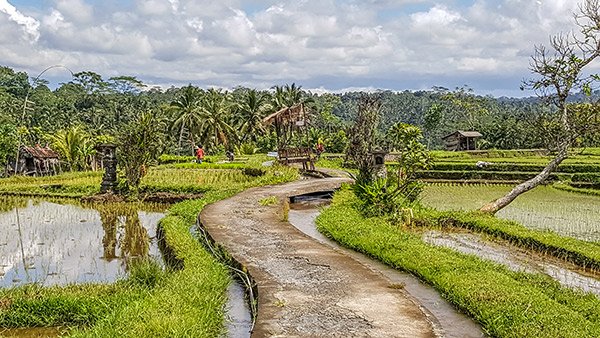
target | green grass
[
  {"x": 532, "y": 155},
  {"x": 271, "y": 200},
  {"x": 506, "y": 303},
  {"x": 74, "y": 305},
  {"x": 544, "y": 208},
  {"x": 73, "y": 184},
  {"x": 190, "y": 303},
  {"x": 191, "y": 178}
]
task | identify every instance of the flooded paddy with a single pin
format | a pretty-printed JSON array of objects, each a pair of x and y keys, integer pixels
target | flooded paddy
[
  {"x": 543, "y": 208},
  {"x": 446, "y": 320},
  {"x": 517, "y": 259},
  {"x": 57, "y": 243}
]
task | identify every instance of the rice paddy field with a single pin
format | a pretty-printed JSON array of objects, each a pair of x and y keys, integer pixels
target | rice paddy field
[
  {"x": 63, "y": 242},
  {"x": 564, "y": 211},
  {"x": 95, "y": 270}
]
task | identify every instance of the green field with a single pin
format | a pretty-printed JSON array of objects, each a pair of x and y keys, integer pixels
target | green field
[{"x": 543, "y": 208}]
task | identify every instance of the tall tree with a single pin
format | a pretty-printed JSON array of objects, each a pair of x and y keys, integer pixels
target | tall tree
[
  {"x": 215, "y": 127},
  {"x": 561, "y": 71},
  {"x": 188, "y": 110},
  {"x": 74, "y": 145},
  {"x": 250, "y": 111},
  {"x": 363, "y": 138}
]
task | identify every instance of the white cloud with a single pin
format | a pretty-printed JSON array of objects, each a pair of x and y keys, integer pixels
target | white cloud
[
  {"x": 29, "y": 24},
  {"x": 341, "y": 44},
  {"x": 76, "y": 10}
]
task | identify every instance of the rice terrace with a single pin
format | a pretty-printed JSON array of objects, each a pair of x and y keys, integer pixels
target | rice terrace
[{"x": 161, "y": 208}]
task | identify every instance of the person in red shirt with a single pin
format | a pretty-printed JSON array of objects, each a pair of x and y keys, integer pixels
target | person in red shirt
[{"x": 199, "y": 154}]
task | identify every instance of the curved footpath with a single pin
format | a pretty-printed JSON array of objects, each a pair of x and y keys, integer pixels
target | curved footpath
[{"x": 304, "y": 287}]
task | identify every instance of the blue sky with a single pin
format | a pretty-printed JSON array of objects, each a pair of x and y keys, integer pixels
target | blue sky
[{"x": 326, "y": 45}]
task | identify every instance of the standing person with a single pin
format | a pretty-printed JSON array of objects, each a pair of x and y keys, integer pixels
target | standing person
[
  {"x": 320, "y": 149},
  {"x": 199, "y": 154}
]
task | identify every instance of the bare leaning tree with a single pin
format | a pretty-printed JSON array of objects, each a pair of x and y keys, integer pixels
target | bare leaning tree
[
  {"x": 362, "y": 136},
  {"x": 561, "y": 70}
]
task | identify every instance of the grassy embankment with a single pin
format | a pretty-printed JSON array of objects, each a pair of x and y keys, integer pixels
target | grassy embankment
[
  {"x": 506, "y": 303},
  {"x": 184, "y": 302}
]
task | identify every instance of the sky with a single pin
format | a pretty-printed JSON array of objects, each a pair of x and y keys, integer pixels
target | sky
[{"x": 322, "y": 45}]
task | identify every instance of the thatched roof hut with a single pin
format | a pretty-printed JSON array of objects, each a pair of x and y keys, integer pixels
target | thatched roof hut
[
  {"x": 461, "y": 140},
  {"x": 38, "y": 161},
  {"x": 286, "y": 115},
  {"x": 290, "y": 126}
]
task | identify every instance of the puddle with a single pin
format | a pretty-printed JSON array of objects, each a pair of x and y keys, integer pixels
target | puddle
[
  {"x": 34, "y": 332},
  {"x": 239, "y": 317},
  {"x": 59, "y": 243},
  {"x": 517, "y": 259},
  {"x": 447, "y": 321}
]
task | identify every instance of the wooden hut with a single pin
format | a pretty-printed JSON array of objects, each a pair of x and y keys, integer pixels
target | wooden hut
[
  {"x": 38, "y": 161},
  {"x": 290, "y": 126},
  {"x": 461, "y": 140}
]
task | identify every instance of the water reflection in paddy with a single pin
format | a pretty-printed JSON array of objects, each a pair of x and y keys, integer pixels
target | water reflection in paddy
[{"x": 58, "y": 243}]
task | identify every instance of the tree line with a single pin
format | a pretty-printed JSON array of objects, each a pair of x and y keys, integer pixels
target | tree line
[{"x": 90, "y": 109}]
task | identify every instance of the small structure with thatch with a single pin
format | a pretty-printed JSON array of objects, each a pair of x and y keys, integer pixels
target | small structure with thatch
[
  {"x": 38, "y": 161},
  {"x": 290, "y": 127},
  {"x": 461, "y": 140}
]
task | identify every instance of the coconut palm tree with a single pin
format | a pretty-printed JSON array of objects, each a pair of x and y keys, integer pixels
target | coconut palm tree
[
  {"x": 188, "y": 110},
  {"x": 215, "y": 127},
  {"x": 289, "y": 95},
  {"x": 250, "y": 110}
]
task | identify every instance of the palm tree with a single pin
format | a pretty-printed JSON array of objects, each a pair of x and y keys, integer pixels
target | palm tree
[
  {"x": 250, "y": 111},
  {"x": 74, "y": 145},
  {"x": 189, "y": 113},
  {"x": 215, "y": 114},
  {"x": 289, "y": 95}
]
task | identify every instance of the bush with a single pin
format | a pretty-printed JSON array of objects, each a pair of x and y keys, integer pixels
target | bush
[{"x": 378, "y": 198}]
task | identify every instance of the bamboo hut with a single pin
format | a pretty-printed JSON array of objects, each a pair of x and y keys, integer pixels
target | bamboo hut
[
  {"x": 37, "y": 161},
  {"x": 290, "y": 125}
]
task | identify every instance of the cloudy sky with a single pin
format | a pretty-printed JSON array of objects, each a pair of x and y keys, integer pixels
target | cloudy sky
[{"x": 319, "y": 44}]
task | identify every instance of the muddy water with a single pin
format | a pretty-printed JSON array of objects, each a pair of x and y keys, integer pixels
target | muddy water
[
  {"x": 56, "y": 244},
  {"x": 517, "y": 259},
  {"x": 447, "y": 321}
]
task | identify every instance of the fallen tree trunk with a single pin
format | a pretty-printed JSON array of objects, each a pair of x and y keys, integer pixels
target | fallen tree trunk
[{"x": 495, "y": 206}]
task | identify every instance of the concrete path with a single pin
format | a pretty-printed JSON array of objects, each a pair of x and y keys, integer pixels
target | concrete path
[{"x": 307, "y": 289}]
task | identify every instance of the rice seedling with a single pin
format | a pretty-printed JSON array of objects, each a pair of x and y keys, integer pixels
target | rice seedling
[
  {"x": 544, "y": 208},
  {"x": 60, "y": 243}
]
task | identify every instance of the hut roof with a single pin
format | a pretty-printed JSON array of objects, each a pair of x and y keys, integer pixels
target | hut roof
[
  {"x": 464, "y": 134},
  {"x": 40, "y": 152},
  {"x": 285, "y": 114}
]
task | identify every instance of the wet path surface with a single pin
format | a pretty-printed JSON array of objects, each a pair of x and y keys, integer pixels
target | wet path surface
[
  {"x": 306, "y": 288},
  {"x": 447, "y": 321},
  {"x": 517, "y": 259}
]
